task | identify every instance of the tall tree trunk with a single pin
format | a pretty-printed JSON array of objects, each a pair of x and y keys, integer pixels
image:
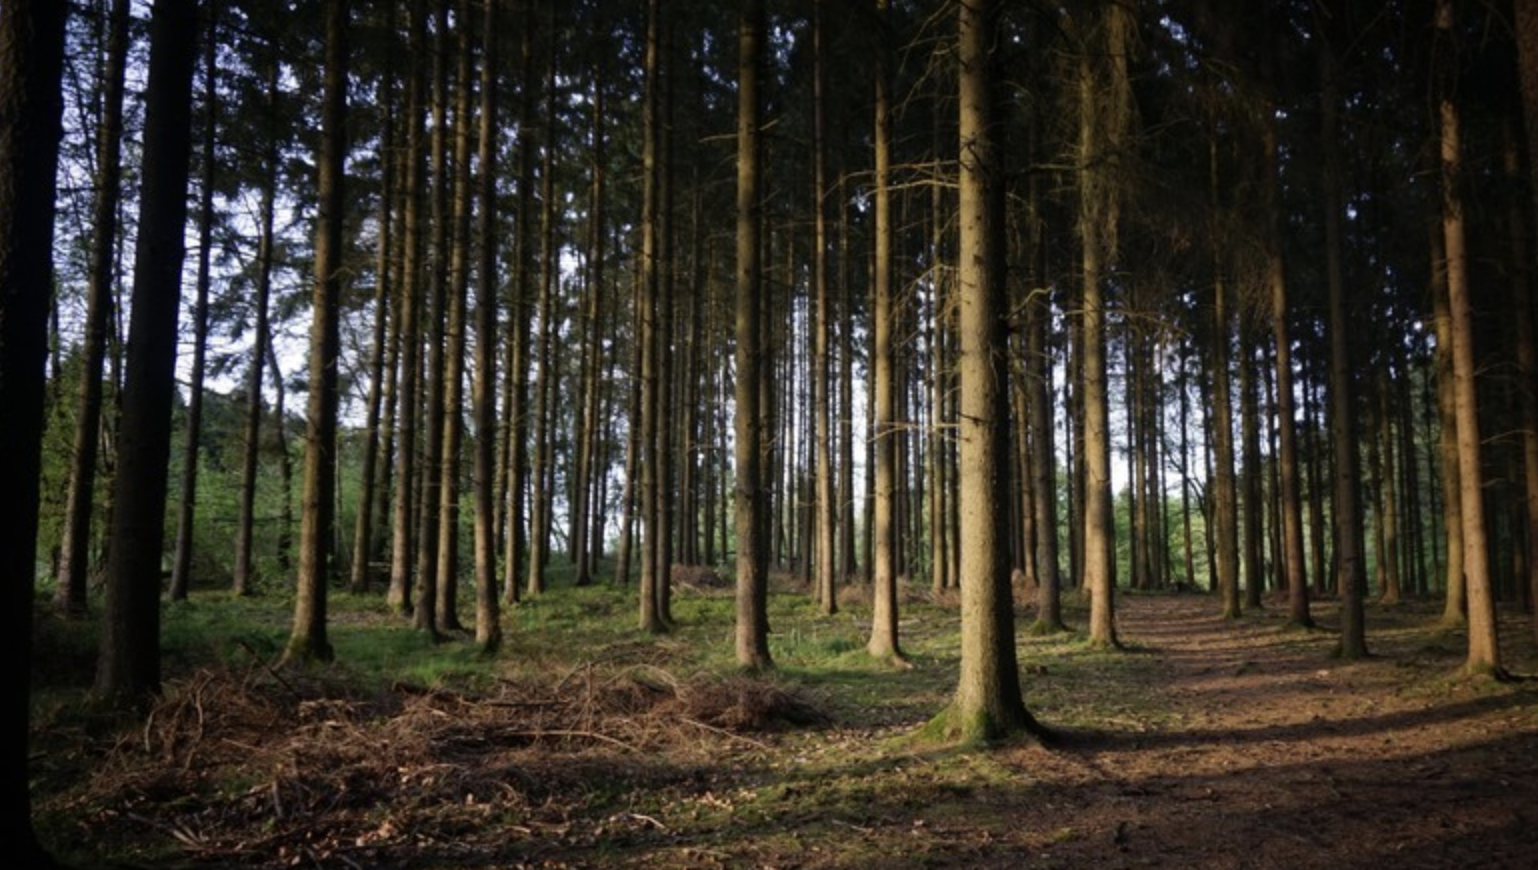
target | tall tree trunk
[
  {"x": 181, "y": 564},
  {"x": 129, "y": 665},
  {"x": 1103, "y": 119},
  {"x": 592, "y": 349},
  {"x": 31, "y": 106},
  {"x": 540, "y": 471},
  {"x": 752, "y": 640},
  {"x": 647, "y": 314},
  {"x": 245, "y": 527},
  {"x": 434, "y": 333},
  {"x": 408, "y": 495},
  {"x": 80, "y": 501},
  {"x": 827, "y": 591},
  {"x": 1526, "y": 15},
  {"x": 517, "y": 412},
  {"x": 488, "y": 618},
  {"x": 363, "y": 541},
  {"x": 988, "y": 702},
  {"x": 454, "y": 344},
  {"x": 1254, "y": 515},
  {"x": 1483, "y": 642},
  {"x": 848, "y": 564},
  {"x": 1389, "y": 589},
  {"x": 884, "y": 569},
  {"x": 309, "y": 641},
  {"x": 1224, "y": 495},
  {"x": 1290, "y": 506}
]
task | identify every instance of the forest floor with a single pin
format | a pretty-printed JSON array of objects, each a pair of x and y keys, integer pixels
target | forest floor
[{"x": 1204, "y": 744}]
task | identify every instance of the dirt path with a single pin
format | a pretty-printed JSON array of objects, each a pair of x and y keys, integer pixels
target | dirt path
[{"x": 1259, "y": 751}]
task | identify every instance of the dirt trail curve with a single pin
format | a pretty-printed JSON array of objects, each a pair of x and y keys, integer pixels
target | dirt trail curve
[{"x": 1255, "y": 749}]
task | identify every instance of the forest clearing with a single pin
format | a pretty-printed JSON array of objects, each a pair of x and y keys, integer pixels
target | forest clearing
[{"x": 1206, "y": 743}]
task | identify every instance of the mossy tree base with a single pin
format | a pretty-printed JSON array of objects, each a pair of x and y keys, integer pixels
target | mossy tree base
[
  {"x": 1047, "y": 628},
  {"x": 978, "y": 729}
]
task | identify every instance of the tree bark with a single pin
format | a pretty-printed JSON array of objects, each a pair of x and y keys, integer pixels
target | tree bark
[
  {"x": 752, "y": 640},
  {"x": 75, "y": 549},
  {"x": 308, "y": 640},
  {"x": 988, "y": 702},
  {"x": 488, "y": 618},
  {"x": 181, "y": 564},
  {"x": 884, "y": 641},
  {"x": 31, "y": 106},
  {"x": 245, "y": 528},
  {"x": 1483, "y": 640},
  {"x": 129, "y": 666},
  {"x": 1526, "y": 17}
]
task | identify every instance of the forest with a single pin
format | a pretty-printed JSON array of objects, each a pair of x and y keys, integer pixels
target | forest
[{"x": 815, "y": 433}]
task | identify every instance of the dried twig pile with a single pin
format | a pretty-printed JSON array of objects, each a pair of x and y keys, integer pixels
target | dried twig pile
[{"x": 274, "y": 768}]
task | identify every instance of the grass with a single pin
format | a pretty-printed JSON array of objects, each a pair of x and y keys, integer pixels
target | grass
[{"x": 582, "y": 722}]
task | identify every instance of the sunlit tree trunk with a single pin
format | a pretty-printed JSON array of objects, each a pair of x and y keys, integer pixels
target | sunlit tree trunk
[
  {"x": 1290, "y": 505},
  {"x": 827, "y": 592},
  {"x": 309, "y": 641},
  {"x": 129, "y": 665},
  {"x": 1484, "y": 654},
  {"x": 1103, "y": 119},
  {"x": 884, "y": 633},
  {"x": 988, "y": 702},
  {"x": 70, "y": 596}
]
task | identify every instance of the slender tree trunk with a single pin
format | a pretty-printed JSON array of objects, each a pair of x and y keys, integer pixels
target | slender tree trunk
[
  {"x": 1351, "y": 582},
  {"x": 454, "y": 343},
  {"x": 1483, "y": 640},
  {"x": 1526, "y": 15},
  {"x": 129, "y": 665},
  {"x": 245, "y": 528},
  {"x": 592, "y": 353},
  {"x": 308, "y": 640},
  {"x": 884, "y": 568},
  {"x": 648, "y": 313},
  {"x": 1389, "y": 589},
  {"x": 408, "y": 495},
  {"x": 435, "y": 335},
  {"x": 540, "y": 471},
  {"x": 848, "y": 564},
  {"x": 752, "y": 641},
  {"x": 80, "y": 500},
  {"x": 1290, "y": 505},
  {"x": 181, "y": 565},
  {"x": 518, "y": 348},
  {"x": 488, "y": 618},
  {"x": 1103, "y": 119},
  {"x": 363, "y": 552},
  {"x": 827, "y": 592}
]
